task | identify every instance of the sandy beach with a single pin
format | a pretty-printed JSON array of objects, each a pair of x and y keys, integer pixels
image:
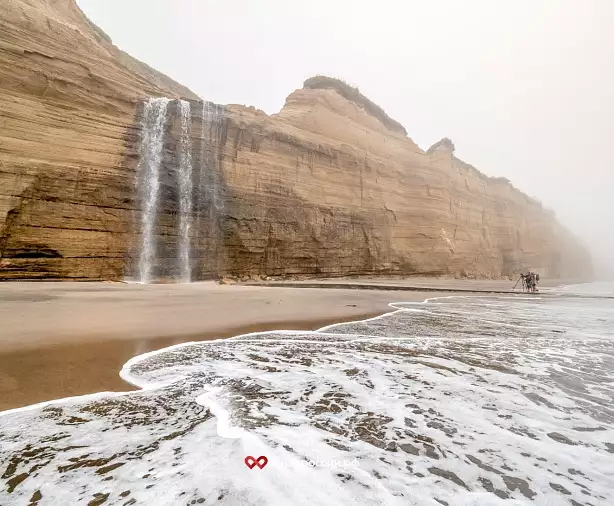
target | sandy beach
[
  {"x": 64, "y": 339},
  {"x": 60, "y": 339},
  {"x": 495, "y": 394}
]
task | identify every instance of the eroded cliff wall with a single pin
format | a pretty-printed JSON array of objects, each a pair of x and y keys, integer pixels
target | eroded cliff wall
[
  {"x": 329, "y": 186},
  {"x": 68, "y": 103},
  {"x": 339, "y": 192}
]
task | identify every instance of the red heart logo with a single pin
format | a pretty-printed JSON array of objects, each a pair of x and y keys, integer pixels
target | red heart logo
[{"x": 251, "y": 462}]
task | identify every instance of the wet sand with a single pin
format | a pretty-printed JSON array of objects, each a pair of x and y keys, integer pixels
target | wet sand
[
  {"x": 64, "y": 370},
  {"x": 64, "y": 339}
]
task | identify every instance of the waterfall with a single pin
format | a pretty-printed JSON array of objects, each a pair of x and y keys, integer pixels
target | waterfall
[
  {"x": 148, "y": 170},
  {"x": 204, "y": 187},
  {"x": 181, "y": 199},
  {"x": 185, "y": 192},
  {"x": 208, "y": 169},
  {"x": 208, "y": 195}
]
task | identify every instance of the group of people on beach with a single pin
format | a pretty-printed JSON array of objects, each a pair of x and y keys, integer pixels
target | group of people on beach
[{"x": 529, "y": 281}]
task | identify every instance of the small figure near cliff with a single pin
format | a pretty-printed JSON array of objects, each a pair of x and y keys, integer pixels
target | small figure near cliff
[
  {"x": 535, "y": 278},
  {"x": 523, "y": 280},
  {"x": 526, "y": 282},
  {"x": 529, "y": 281}
]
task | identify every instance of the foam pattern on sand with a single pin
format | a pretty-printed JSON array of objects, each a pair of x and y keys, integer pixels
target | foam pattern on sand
[{"x": 456, "y": 401}]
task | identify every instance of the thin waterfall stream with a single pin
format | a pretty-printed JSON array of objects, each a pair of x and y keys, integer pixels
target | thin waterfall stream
[
  {"x": 154, "y": 121},
  {"x": 185, "y": 192}
]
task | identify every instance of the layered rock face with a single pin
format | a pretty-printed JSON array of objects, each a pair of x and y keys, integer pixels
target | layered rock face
[
  {"x": 330, "y": 186},
  {"x": 339, "y": 192},
  {"x": 68, "y": 102}
]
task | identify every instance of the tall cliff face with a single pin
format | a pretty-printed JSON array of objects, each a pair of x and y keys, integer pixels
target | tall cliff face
[
  {"x": 339, "y": 192},
  {"x": 329, "y": 186},
  {"x": 68, "y": 102}
]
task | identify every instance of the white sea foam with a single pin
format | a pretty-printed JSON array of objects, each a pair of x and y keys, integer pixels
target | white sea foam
[
  {"x": 599, "y": 289},
  {"x": 457, "y": 400}
]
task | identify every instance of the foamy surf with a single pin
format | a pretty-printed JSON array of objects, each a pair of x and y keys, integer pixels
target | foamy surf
[{"x": 457, "y": 400}]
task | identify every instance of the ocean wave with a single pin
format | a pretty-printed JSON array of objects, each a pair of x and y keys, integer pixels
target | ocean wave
[{"x": 457, "y": 400}]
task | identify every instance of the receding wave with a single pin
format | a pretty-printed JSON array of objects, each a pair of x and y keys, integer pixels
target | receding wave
[{"x": 457, "y": 401}]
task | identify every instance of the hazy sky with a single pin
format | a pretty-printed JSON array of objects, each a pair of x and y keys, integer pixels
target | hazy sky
[{"x": 524, "y": 88}]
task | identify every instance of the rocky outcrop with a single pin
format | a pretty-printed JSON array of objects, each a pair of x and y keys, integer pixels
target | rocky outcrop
[{"x": 329, "y": 186}]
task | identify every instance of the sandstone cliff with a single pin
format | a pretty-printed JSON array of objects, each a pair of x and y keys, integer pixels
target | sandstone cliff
[
  {"x": 329, "y": 186},
  {"x": 68, "y": 100}
]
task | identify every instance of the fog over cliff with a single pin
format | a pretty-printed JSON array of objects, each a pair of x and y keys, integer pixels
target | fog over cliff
[{"x": 525, "y": 89}]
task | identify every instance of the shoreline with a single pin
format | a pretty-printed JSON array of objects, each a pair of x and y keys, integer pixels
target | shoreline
[
  {"x": 72, "y": 362},
  {"x": 113, "y": 380},
  {"x": 62, "y": 339},
  {"x": 188, "y": 397}
]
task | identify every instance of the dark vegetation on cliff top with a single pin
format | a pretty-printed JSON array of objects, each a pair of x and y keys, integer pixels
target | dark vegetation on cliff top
[{"x": 353, "y": 95}]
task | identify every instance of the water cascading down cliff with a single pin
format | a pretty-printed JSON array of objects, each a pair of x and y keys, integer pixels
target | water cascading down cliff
[
  {"x": 190, "y": 222},
  {"x": 177, "y": 232},
  {"x": 98, "y": 181}
]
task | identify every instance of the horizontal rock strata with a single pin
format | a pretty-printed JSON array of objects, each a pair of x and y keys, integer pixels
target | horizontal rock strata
[{"x": 329, "y": 186}]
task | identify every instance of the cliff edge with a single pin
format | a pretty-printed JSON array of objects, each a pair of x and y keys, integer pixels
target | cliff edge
[{"x": 329, "y": 186}]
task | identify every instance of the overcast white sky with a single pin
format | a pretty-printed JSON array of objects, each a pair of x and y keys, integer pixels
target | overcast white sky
[{"x": 524, "y": 88}]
